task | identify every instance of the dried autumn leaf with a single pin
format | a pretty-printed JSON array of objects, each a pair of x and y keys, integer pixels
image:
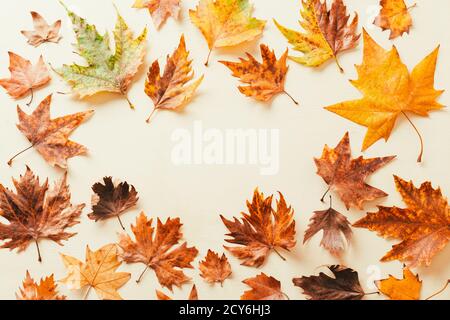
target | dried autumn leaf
[
  {"x": 192, "y": 296},
  {"x": 347, "y": 176},
  {"x": 156, "y": 249},
  {"x": 43, "y": 32},
  {"x": 215, "y": 268},
  {"x": 226, "y": 23},
  {"x": 407, "y": 288},
  {"x": 423, "y": 227},
  {"x": 46, "y": 289},
  {"x": 36, "y": 212},
  {"x": 389, "y": 91},
  {"x": 105, "y": 71},
  {"x": 174, "y": 89},
  {"x": 265, "y": 79},
  {"x": 160, "y": 9},
  {"x": 343, "y": 286},
  {"x": 112, "y": 200},
  {"x": 336, "y": 230},
  {"x": 326, "y": 32},
  {"x": 24, "y": 77},
  {"x": 50, "y": 137},
  {"x": 98, "y": 272},
  {"x": 263, "y": 288},
  {"x": 262, "y": 230},
  {"x": 394, "y": 15}
]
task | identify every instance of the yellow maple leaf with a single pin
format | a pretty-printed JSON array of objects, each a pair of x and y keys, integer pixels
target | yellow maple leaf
[
  {"x": 389, "y": 90},
  {"x": 99, "y": 272},
  {"x": 226, "y": 23},
  {"x": 394, "y": 15},
  {"x": 407, "y": 288}
]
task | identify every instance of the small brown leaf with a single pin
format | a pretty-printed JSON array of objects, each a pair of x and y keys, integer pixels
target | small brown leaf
[
  {"x": 263, "y": 288},
  {"x": 343, "y": 286},
  {"x": 215, "y": 268},
  {"x": 45, "y": 290},
  {"x": 112, "y": 200},
  {"x": 43, "y": 32}
]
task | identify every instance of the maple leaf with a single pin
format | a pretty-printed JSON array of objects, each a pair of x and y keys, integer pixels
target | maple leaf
[
  {"x": 105, "y": 71},
  {"x": 407, "y": 288},
  {"x": 389, "y": 91},
  {"x": 336, "y": 229},
  {"x": 173, "y": 89},
  {"x": 50, "y": 137},
  {"x": 262, "y": 230},
  {"x": 423, "y": 227},
  {"x": 98, "y": 272},
  {"x": 160, "y": 10},
  {"x": 43, "y": 32},
  {"x": 347, "y": 176},
  {"x": 192, "y": 296},
  {"x": 215, "y": 268},
  {"x": 226, "y": 23},
  {"x": 36, "y": 212},
  {"x": 112, "y": 200},
  {"x": 394, "y": 15},
  {"x": 343, "y": 286},
  {"x": 326, "y": 32},
  {"x": 263, "y": 288},
  {"x": 265, "y": 79},
  {"x": 46, "y": 289},
  {"x": 155, "y": 249},
  {"x": 24, "y": 77}
]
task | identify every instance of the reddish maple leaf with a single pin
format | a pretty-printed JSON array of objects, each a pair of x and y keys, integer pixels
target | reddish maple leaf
[
  {"x": 215, "y": 268},
  {"x": 263, "y": 288}
]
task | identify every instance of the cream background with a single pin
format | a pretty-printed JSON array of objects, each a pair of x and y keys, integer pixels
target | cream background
[{"x": 123, "y": 145}]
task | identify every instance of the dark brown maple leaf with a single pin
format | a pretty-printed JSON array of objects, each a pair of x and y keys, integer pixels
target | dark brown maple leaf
[
  {"x": 36, "y": 212},
  {"x": 344, "y": 286},
  {"x": 336, "y": 229},
  {"x": 262, "y": 230},
  {"x": 112, "y": 200},
  {"x": 347, "y": 176}
]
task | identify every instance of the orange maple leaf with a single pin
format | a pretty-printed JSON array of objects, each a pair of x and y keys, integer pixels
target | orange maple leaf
[
  {"x": 407, "y": 288},
  {"x": 423, "y": 227},
  {"x": 262, "y": 230},
  {"x": 394, "y": 15},
  {"x": 192, "y": 296},
  {"x": 263, "y": 288},
  {"x": 46, "y": 289},
  {"x": 155, "y": 249},
  {"x": 215, "y": 268}
]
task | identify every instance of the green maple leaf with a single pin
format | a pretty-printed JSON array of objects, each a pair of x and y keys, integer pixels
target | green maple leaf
[{"x": 105, "y": 71}]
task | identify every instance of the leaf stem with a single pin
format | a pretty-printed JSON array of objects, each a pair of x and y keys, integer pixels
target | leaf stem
[
  {"x": 18, "y": 154},
  {"x": 151, "y": 115},
  {"x": 440, "y": 291},
  {"x": 286, "y": 93},
  {"x": 325, "y": 194},
  {"x": 419, "y": 159},
  {"x": 142, "y": 274},
  {"x": 279, "y": 254},
  {"x": 371, "y": 293},
  {"x": 129, "y": 102},
  {"x": 38, "y": 250},
  {"x": 284, "y": 294},
  {"x": 32, "y": 97},
  {"x": 338, "y": 64},
  {"x": 120, "y": 222},
  {"x": 87, "y": 293},
  {"x": 207, "y": 59}
]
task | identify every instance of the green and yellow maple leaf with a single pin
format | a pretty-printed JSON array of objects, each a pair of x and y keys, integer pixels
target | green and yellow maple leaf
[{"x": 105, "y": 71}]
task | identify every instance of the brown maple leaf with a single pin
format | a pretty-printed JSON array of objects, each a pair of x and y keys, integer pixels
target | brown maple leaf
[
  {"x": 262, "y": 230},
  {"x": 263, "y": 288},
  {"x": 336, "y": 229},
  {"x": 46, "y": 289},
  {"x": 266, "y": 79},
  {"x": 192, "y": 296},
  {"x": 423, "y": 227},
  {"x": 25, "y": 77},
  {"x": 347, "y": 176},
  {"x": 174, "y": 88},
  {"x": 36, "y": 212},
  {"x": 112, "y": 200},
  {"x": 156, "y": 249},
  {"x": 43, "y": 32},
  {"x": 160, "y": 10},
  {"x": 343, "y": 286},
  {"x": 50, "y": 137},
  {"x": 215, "y": 268}
]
